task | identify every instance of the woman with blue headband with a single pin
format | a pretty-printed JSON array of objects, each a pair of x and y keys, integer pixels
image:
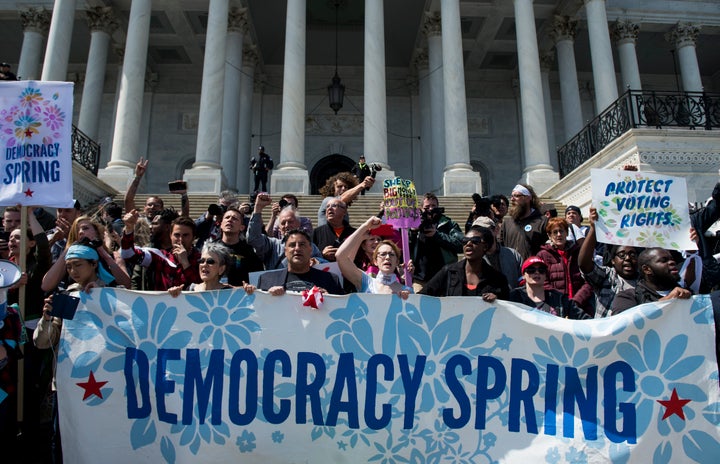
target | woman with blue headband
[{"x": 81, "y": 263}]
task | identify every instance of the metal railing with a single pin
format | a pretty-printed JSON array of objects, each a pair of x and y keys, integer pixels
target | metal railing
[
  {"x": 85, "y": 150},
  {"x": 692, "y": 110}
]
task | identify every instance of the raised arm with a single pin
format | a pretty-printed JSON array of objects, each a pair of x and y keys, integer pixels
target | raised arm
[
  {"x": 349, "y": 195},
  {"x": 345, "y": 255},
  {"x": 587, "y": 249},
  {"x": 140, "y": 169}
]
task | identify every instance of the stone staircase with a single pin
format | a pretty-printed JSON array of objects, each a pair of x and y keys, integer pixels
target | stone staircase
[{"x": 456, "y": 207}]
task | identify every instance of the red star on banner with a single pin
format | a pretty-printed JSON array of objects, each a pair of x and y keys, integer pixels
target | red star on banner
[
  {"x": 674, "y": 405},
  {"x": 28, "y": 192},
  {"x": 92, "y": 387},
  {"x": 28, "y": 133}
]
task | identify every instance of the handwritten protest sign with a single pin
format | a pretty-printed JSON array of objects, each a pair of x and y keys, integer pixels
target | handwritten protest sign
[
  {"x": 400, "y": 203},
  {"x": 641, "y": 209},
  {"x": 224, "y": 376},
  {"x": 35, "y": 143}
]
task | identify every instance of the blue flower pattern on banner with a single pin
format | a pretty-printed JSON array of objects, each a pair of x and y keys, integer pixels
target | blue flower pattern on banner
[{"x": 411, "y": 330}]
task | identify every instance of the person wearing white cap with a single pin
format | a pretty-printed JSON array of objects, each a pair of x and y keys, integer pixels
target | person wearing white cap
[{"x": 524, "y": 229}]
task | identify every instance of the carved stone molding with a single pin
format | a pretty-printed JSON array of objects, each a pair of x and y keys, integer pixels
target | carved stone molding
[
  {"x": 683, "y": 34},
  {"x": 420, "y": 60},
  {"x": 624, "y": 31},
  {"x": 322, "y": 124},
  {"x": 35, "y": 20},
  {"x": 546, "y": 61},
  {"x": 237, "y": 20},
  {"x": 709, "y": 159},
  {"x": 101, "y": 18},
  {"x": 563, "y": 28},
  {"x": 432, "y": 26},
  {"x": 250, "y": 56}
]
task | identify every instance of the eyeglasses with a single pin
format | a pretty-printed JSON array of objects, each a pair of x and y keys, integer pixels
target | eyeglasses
[
  {"x": 387, "y": 254},
  {"x": 474, "y": 240},
  {"x": 337, "y": 205},
  {"x": 208, "y": 261},
  {"x": 557, "y": 232},
  {"x": 535, "y": 270},
  {"x": 626, "y": 254}
]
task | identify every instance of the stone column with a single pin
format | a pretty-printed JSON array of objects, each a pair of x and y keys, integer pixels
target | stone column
[
  {"x": 375, "y": 101},
  {"x": 459, "y": 177},
  {"x": 684, "y": 36},
  {"x": 416, "y": 161},
  {"x": 245, "y": 150},
  {"x": 563, "y": 33},
  {"x": 424, "y": 178},
  {"x": 237, "y": 26},
  {"x": 128, "y": 118},
  {"x": 291, "y": 175},
  {"x": 35, "y": 23},
  {"x": 625, "y": 34},
  {"x": 538, "y": 171},
  {"x": 57, "y": 52},
  {"x": 436, "y": 149},
  {"x": 206, "y": 175},
  {"x": 601, "y": 52},
  {"x": 102, "y": 22},
  {"x": 546, "y": 62}
]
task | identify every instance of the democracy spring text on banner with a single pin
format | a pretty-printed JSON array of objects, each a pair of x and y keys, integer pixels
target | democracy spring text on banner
[{"x": 224, "y": 376}]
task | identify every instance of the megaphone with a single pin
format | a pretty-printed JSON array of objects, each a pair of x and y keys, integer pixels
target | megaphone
[{"x": 10, "y": 273}]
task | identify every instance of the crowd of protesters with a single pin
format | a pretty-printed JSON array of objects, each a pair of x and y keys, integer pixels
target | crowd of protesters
[{"x": 516, "y": 250}]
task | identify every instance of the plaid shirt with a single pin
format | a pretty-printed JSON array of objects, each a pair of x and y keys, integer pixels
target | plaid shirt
[
  {"x": 606, "y": 283},
  {"x": 165, "y": 268},
  {"x": 9, "y": 338}
]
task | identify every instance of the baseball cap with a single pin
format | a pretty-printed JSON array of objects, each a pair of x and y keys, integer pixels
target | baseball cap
[
  {"x": 484, "y": 221},
  {"x": 573, "y": 208},
  {"x": 530, "y": 261}
]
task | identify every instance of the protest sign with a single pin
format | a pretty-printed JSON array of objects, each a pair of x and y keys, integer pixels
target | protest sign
[
  {"x": 641, "y": 209},
  {"x": 400, "y": 203},
  {"x": 35, "y": 139},
  {"x": 227, "y": 377}
]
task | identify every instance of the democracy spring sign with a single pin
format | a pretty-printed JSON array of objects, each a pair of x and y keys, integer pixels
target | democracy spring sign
[
  {"x": 641, "y": 209},
  {"x": 224, "y": 376},
  {"x": 35, "y": 143}
]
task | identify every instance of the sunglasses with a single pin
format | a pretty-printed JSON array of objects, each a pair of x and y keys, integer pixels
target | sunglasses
[
  {"x": 536, "y": 270},
  {"x": 208, "y": 261},
  {"x": 474, "y": 240}
]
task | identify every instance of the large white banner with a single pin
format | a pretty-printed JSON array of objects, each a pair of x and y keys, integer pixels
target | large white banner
[
  {"x": 35, "y": 143},
  {"x": 223, "y": 377},
  {"x": 641, "y": 209}
]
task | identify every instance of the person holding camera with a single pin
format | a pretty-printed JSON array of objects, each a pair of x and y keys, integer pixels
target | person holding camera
[
  {"x": 436, "y": 242},
  {"x": 207, "y": 226},
  {"x": 273, "y": 226}
]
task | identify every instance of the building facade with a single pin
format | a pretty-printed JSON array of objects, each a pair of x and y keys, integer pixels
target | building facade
[{"x": 461, "y": 96}]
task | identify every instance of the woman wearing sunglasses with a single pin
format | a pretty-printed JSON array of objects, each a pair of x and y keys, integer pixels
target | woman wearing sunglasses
[
  {"x": 213, "y": 261},
  {"x": 534, "y": 293},
  {"x": 385, "y": 258},
  {"x": 472, "y": 276}
]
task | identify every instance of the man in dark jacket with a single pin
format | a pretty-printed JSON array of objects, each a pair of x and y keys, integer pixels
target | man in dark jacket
[
  {"x": 361, "y": 170},
  {"x": 658, "y": 281}
]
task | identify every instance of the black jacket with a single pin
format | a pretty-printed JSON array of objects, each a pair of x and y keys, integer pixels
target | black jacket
[{"x": 451, "y": 281}]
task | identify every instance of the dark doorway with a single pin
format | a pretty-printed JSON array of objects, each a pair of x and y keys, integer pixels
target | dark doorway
[{"x": 326, "y": 168}]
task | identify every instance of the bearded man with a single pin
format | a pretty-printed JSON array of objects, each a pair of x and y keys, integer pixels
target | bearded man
[{"x": 524, "y": 227}]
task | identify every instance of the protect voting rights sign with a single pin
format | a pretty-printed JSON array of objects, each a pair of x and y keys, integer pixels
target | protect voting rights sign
[
  {"x": 641, "y": 209},
  {"x": 223, "y": 376}
]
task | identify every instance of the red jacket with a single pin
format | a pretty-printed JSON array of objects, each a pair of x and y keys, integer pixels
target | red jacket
[{"x": 564, "y": 275}]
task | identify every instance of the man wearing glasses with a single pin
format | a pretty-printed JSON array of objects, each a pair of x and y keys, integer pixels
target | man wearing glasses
[
  {"x": 328, "y": 237},
  {"x": 607, "y": 281},
  {"x": 524, "y": 229}
]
